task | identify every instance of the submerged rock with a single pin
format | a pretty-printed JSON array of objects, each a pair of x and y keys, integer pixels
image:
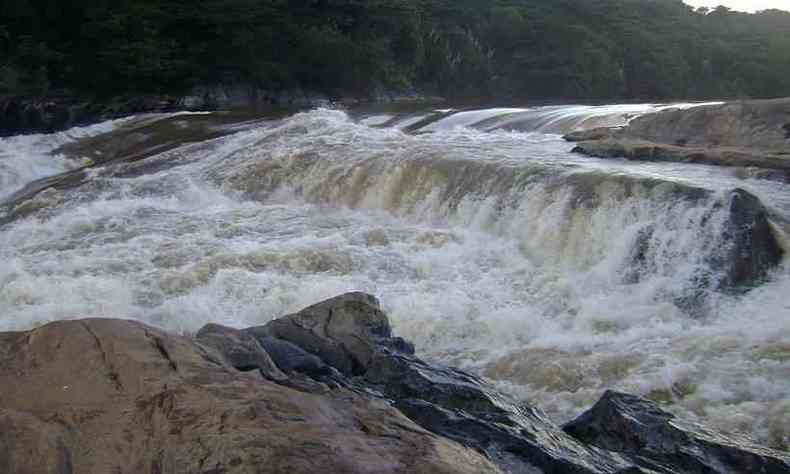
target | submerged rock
[{"x": 658, "y": 440}]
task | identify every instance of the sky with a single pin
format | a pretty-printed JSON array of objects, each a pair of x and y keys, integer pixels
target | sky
[{"x": 743, "y": 5}]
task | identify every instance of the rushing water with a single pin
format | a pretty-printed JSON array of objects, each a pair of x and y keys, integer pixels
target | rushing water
[{"x": 491, "y": 246}]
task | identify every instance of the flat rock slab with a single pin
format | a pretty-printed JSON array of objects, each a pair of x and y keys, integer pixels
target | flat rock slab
[
  {"x": 641, "y": 150},
  {"x": 743, "y": 134}
]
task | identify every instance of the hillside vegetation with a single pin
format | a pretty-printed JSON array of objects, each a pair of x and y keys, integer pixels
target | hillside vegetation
[{"x": 507, "y": 49}]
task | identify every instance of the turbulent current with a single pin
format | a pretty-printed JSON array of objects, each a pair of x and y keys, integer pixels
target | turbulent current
[{"x": 491, "y": 246}]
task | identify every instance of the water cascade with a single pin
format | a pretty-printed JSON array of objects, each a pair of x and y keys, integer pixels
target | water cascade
[{"x": 491, "y": 246}]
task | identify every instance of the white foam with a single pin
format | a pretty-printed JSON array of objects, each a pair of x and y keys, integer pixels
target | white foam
[{"x": 499, "y": 252}]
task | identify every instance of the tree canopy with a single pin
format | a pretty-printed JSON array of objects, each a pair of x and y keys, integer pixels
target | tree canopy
[{"x": 519, "y": 49}]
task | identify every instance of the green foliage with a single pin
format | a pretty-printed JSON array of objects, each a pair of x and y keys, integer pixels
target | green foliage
[{"x": 519, "y": 49}]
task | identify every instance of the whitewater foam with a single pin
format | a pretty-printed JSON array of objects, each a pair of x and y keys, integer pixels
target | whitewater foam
[{"x": 499, "y": 252}]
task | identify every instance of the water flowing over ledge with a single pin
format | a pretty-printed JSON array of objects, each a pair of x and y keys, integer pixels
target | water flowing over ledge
[{"x": 499, "y": 251}]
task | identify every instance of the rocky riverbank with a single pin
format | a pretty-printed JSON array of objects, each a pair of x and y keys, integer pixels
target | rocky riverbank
[
  {"x": 326, "y": 389},
  {"x": 19, "y": 115},
  {"x": 752, "y": 135}
]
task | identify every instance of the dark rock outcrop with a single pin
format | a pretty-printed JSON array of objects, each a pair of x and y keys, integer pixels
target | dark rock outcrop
[
  {"x": 751, "y": 247},
  {"x": 20, "y": 115},
  {"x": 465, "y": 408},
  {"x": 351, "y": 334},
  {"x": 658, "y": 440},
  {"x": 345, "y": 332},
  {"x": 327, "y": 389}
]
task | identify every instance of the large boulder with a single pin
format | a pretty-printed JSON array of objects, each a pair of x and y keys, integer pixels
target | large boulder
[
  {"x": 751, "y": 248},
  {"x": 656, "y": 439},
  {"x": 100, "y": 396}
]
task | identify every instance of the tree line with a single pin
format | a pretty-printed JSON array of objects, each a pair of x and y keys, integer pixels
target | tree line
[{"x": 503, "y": 49}]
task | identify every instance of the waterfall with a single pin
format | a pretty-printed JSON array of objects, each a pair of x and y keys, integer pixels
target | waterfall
[{"x": 490, "y": 245}]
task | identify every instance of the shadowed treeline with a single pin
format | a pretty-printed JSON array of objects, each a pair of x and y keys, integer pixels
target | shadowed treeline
[{"x": 508, "y": 49}]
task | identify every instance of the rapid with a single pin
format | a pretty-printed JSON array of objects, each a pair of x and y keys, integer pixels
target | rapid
[{"x": 491, "y": 246}]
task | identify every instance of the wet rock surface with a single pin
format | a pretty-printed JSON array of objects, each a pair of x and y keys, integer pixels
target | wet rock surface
[
  {"x": 466, "y": 409},
  {"x": 326, "y": 389},
  {"x": 752, "y": 248},
  {"x": 239, "y": 349},
  {"x": 749, "y": 251},
  {"x": 737, "y": 134},
  {"x": 778, "y": 163},
  {"x": 658, "y": 440}
]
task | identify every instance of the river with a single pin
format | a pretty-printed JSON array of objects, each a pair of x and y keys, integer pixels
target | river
[{"x": 491, "y": 246}]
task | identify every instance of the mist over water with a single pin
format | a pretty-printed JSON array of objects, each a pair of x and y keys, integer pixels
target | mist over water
[{"x": 491, "y": 246}]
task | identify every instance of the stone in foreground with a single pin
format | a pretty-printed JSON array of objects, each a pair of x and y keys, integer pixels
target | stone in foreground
[
  {"x": 656, "y": 439},
  {"x": 353, "y": 335},
  {"x": 327, "y": 389},
  {"x": 112, "y": 396}
]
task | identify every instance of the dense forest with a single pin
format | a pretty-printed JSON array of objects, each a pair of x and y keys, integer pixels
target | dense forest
[{"x": 516, "y": 49}]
